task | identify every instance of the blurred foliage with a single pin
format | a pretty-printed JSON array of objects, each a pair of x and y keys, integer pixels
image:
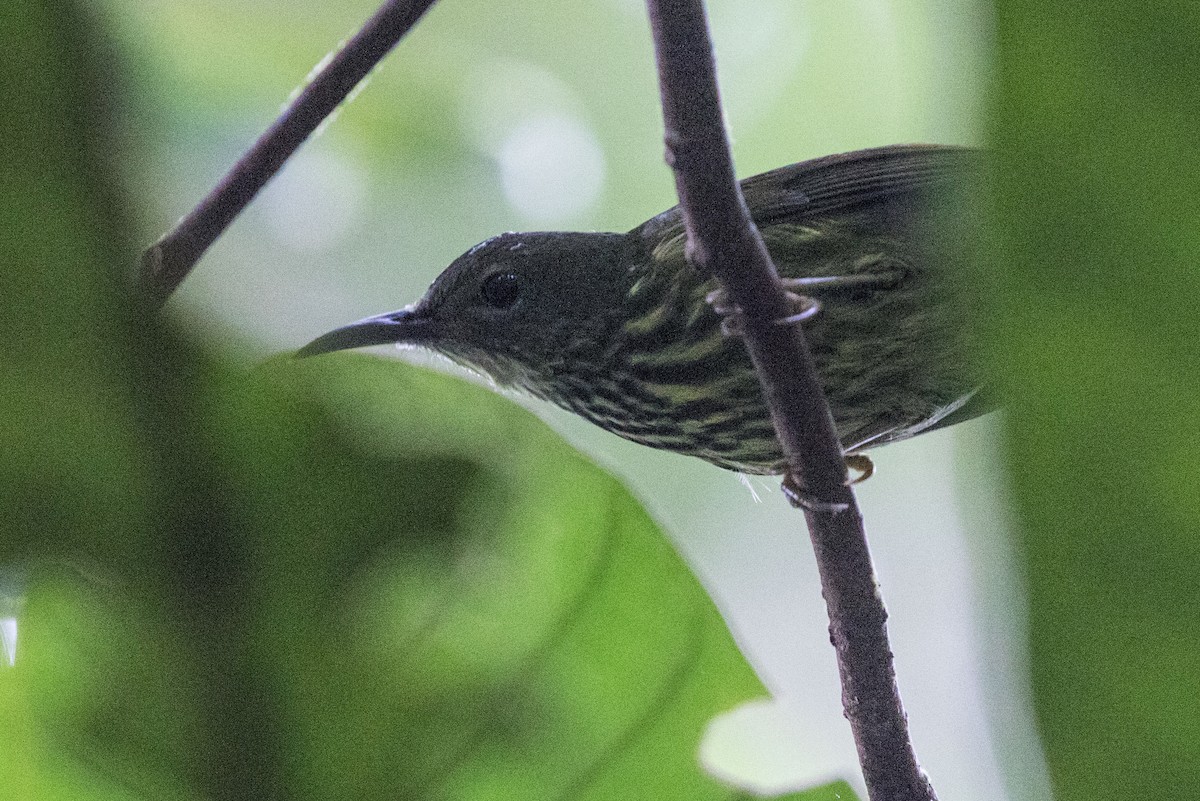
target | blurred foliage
[
  {"x": 339, "y": 579},
  {"x": 326, "y": 579},
  {"x": 1095, "y": 276}
]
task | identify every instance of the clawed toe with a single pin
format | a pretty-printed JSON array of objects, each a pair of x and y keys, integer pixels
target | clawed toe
[
  {"x": 733, "y": 322},
  {"x": 863, "y": 464},
  {"x": 800, "y": 498},
  {"x": 803, "y": 308},
  {"x": 718, "y": 299}
]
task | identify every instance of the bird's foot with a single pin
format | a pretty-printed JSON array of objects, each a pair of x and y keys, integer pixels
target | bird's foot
[
  {"x": 799, "y": 497},
  {"x": 803, "y": 308},
  {"x": 733, "y": 320}
]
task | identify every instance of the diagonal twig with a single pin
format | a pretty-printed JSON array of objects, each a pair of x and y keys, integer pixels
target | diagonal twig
[
  {"x": 169, "y": 260},
  {"x": 723, "y": 239}
]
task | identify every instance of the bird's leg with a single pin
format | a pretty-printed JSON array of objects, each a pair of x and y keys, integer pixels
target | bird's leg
[
  {"x": 863, "y": 464},
  {"x": 874, "y": 271},
  {"x": 871, "y": 272},
  {"x": 733, "y": 321}
]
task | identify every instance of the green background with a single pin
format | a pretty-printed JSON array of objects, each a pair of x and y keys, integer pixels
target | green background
[{"x": 1072, "y": 529}]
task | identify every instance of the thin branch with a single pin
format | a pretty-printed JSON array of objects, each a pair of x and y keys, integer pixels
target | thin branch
[
  {"x": 723, "y": 239},
  {"x": 169, "y": 260}
]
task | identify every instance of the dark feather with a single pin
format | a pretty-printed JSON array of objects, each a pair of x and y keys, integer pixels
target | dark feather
[{"x": 841, "y": 182}]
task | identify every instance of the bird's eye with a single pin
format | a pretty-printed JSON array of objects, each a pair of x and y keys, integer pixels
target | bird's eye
[{"x": 501, "y": 290}]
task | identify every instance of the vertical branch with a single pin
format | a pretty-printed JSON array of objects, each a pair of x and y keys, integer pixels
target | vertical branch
[
  {"x": 723, "y": 239},
  {"x": 169, "y": 260}
]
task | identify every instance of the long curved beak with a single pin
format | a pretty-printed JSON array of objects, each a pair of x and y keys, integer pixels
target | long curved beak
[{"x": 405, "y": 325}]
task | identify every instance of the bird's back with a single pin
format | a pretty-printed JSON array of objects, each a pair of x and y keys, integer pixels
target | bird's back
[{"x": 893, "y": 356}]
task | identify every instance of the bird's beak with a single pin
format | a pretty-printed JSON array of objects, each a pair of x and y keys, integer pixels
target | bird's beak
[{"x": 406, "y": 325}]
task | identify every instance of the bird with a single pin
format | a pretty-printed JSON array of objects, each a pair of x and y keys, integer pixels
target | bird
[{"x": 873, "y": 247}]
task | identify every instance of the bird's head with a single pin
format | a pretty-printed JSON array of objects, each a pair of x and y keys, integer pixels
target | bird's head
[{"x": 515, "y": 307}]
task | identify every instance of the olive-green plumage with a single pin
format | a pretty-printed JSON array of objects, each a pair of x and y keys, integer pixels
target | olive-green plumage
[{"x": 620, "y": 328}]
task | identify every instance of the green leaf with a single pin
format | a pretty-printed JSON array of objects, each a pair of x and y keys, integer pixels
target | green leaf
[
  {"x": 471, "y": 608},
  {"x": 1095, "y": 272}
]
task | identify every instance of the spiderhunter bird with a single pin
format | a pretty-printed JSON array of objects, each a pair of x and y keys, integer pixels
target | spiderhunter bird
[{"x": 622, "y": 330}]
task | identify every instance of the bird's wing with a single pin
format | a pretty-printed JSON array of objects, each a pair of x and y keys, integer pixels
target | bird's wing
[
  {"x": 971, "y": 405},
  {"x": 979, "y": 402},
  {"x": 846, "y": 180},
  {"x": 813, "y": 188}
]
